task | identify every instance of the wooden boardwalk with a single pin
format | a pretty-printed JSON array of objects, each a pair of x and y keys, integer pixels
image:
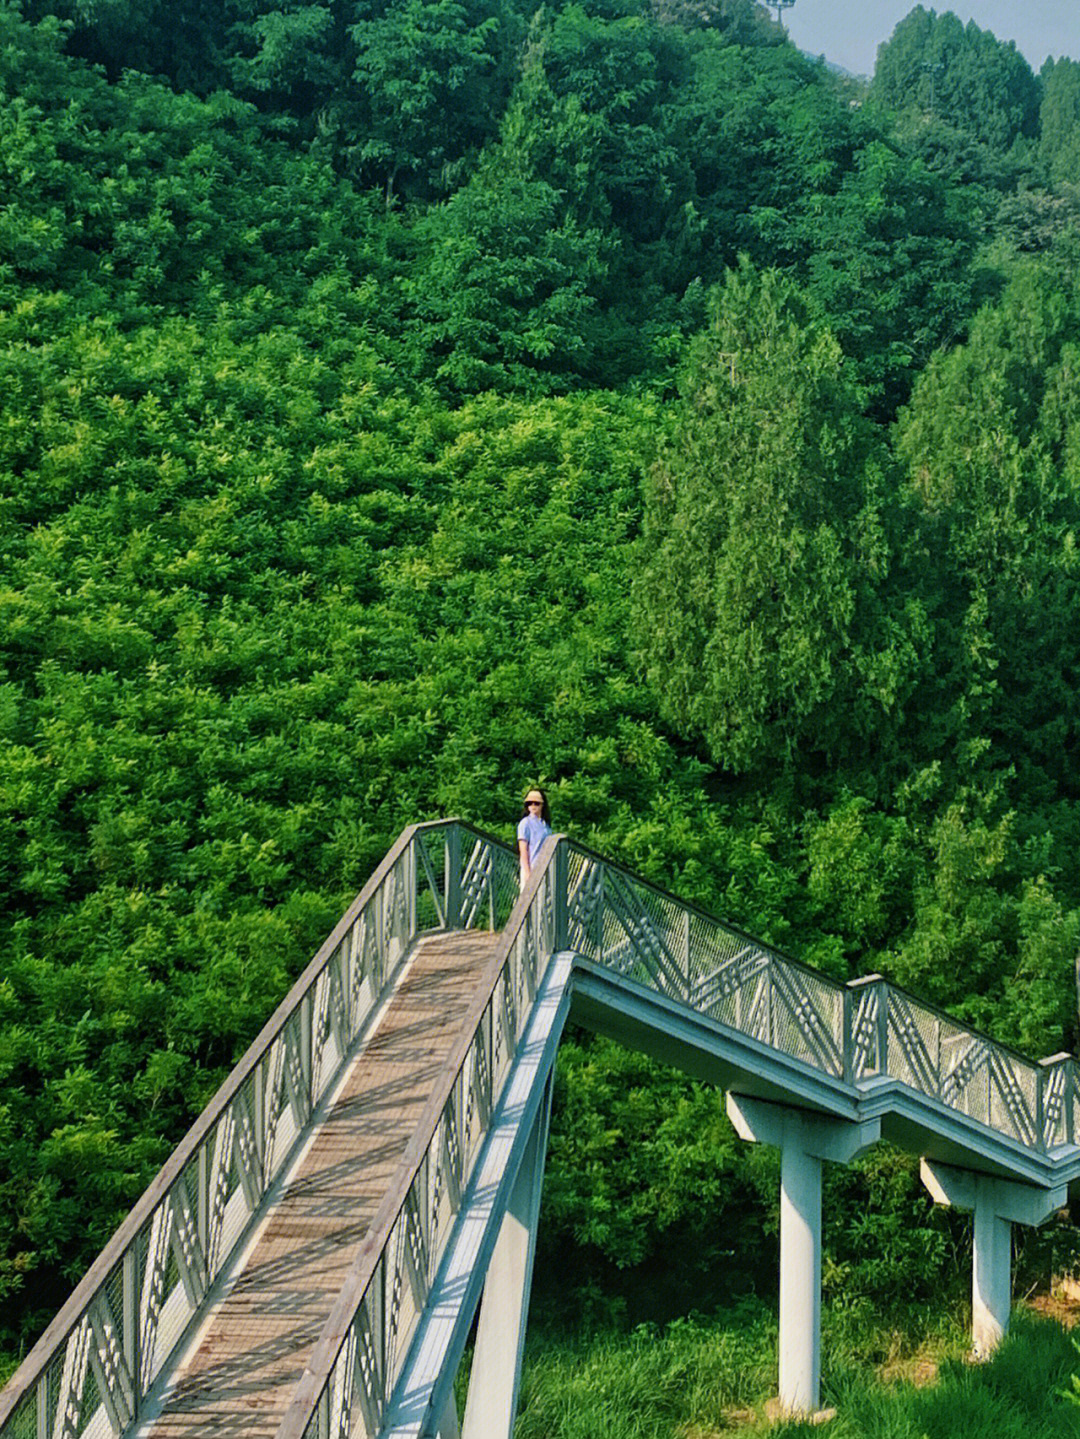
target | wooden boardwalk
[{"x": 251, "y": 1353}]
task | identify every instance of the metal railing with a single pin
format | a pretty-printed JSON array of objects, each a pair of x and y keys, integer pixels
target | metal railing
[
  {"x": 100, "y": 1359},
  {"x": 105, "y": 1352},
  {"x": 869, "y": 1028}
]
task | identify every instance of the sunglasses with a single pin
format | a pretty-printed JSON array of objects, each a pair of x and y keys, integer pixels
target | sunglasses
[{"x": 531, "y": 802}]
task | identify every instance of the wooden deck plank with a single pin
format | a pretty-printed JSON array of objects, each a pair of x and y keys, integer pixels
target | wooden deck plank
[{"x": 239, "y": 1379}]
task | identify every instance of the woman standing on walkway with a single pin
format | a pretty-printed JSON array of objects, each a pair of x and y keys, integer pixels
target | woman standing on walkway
[{"x": 533, "y": 828}]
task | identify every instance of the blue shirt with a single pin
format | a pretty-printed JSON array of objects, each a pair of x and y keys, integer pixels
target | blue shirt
[{"x": 534, "y": 830}]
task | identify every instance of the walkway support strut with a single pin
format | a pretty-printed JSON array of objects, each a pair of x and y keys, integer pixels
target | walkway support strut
[
  {"x": 504, "y": 1308},
  {"x": 804, "y": 1140},
  {"x": 998, "y": 1204}
]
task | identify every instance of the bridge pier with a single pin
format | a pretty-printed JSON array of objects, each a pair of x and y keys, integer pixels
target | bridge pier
[
  {"x": 448, "y": 1424},
  {"x": 805, "y": 1140},
  {"x": 998, "y": 1205},
  {"x": 504, "y": 1307}
]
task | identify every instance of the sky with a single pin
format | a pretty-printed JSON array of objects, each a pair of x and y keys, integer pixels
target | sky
[{"x": 848, "y": 32}]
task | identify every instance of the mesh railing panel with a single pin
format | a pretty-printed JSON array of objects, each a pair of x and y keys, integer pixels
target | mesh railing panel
[
  {"x": 24, "y": 1422},
  {"x": 431, "y": 876},
  {"x": 963, "y": 1069},
  {"x": 505, "y": 886},
  {"x": 639, "y": 932},
  {"x": 853, "y": 1032},
  {"x": 808, "y": 1017}
]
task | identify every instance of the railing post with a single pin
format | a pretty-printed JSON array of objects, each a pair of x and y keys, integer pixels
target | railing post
[
  {"x": 258, "y": 1116},
  {"x": 378, "y": 907},
  {"x": 939, "y": 1069},
  {"x": 883, "y": 1026},
  {"x": 202, "y": 1199},
  {"x": 377, "y": 1315},
  {"x": 410, "y": 894},
  {"x": 307, "y": 1023},
  {"x": 1065, "y": 1062},
  {"x": 559, "y": 873},
  {"x": 598, "y": 912},
  {"x": 42, "y": 1415},
  {"x": 452, "y": 877},
  {"x": 853, "y": 992},
  {"x": 384, "y": 1296},
  {"x": 493, "y": 918},
  {"x": 686, "y": 946},
  {"x": 130, "y": 1310}
]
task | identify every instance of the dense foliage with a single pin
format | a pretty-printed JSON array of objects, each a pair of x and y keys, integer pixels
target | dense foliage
[{"x": 402, "y": 404}]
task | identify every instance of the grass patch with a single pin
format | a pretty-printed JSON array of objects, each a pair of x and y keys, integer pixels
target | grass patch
[
  {"x": 700, "y": 1377},
  {"x": 646, "y": 1383}
]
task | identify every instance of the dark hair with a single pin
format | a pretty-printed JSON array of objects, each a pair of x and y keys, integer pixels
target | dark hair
[{"x": 545, "y": 813}]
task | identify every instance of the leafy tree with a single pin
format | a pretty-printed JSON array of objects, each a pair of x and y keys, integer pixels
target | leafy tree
[
  {"x": 1059, "y": 120},
  {"x": 583, "y": 116},
  {"x": 890, "y": 262},
  {"x": 760, "y": 130},
  {"x": 760, "y": 609},
  {"x": 509, "y": 298},
  {"x": 743, "y": 21},
  {"x": 942, "y": 68},
  {"x": 182, "y": 42},
  {"x": 294, "y": 59},
  {"x": 421, "y": 72},
  {"x": 132, "y": 198},
  {"x": 988, "y": 443}
]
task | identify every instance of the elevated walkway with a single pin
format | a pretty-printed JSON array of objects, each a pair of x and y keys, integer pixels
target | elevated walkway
[{"x": 310, "y": 1259}]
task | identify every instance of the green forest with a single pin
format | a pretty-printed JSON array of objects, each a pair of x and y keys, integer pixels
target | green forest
[{"x": 404, "y": 403}]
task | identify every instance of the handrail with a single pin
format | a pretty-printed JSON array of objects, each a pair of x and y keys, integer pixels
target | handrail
[{"x": 193, "y": 1215}]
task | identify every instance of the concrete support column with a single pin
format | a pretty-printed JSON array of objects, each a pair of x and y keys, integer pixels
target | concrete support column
[
  {"x": 448, "y": 1425},
  {"x": 998, "y": 1204},
  {"x": 805, "y": 1140},
  {"x": 800, "y": 1279},
  {"x": 504, "y": 1307}
]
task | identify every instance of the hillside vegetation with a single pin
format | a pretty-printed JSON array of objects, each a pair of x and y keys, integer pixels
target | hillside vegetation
[{"x": 401, "y": 404}]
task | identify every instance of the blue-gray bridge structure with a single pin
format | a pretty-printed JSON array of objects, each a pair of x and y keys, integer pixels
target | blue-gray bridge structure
[{"x": 819, "y": 1068}]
